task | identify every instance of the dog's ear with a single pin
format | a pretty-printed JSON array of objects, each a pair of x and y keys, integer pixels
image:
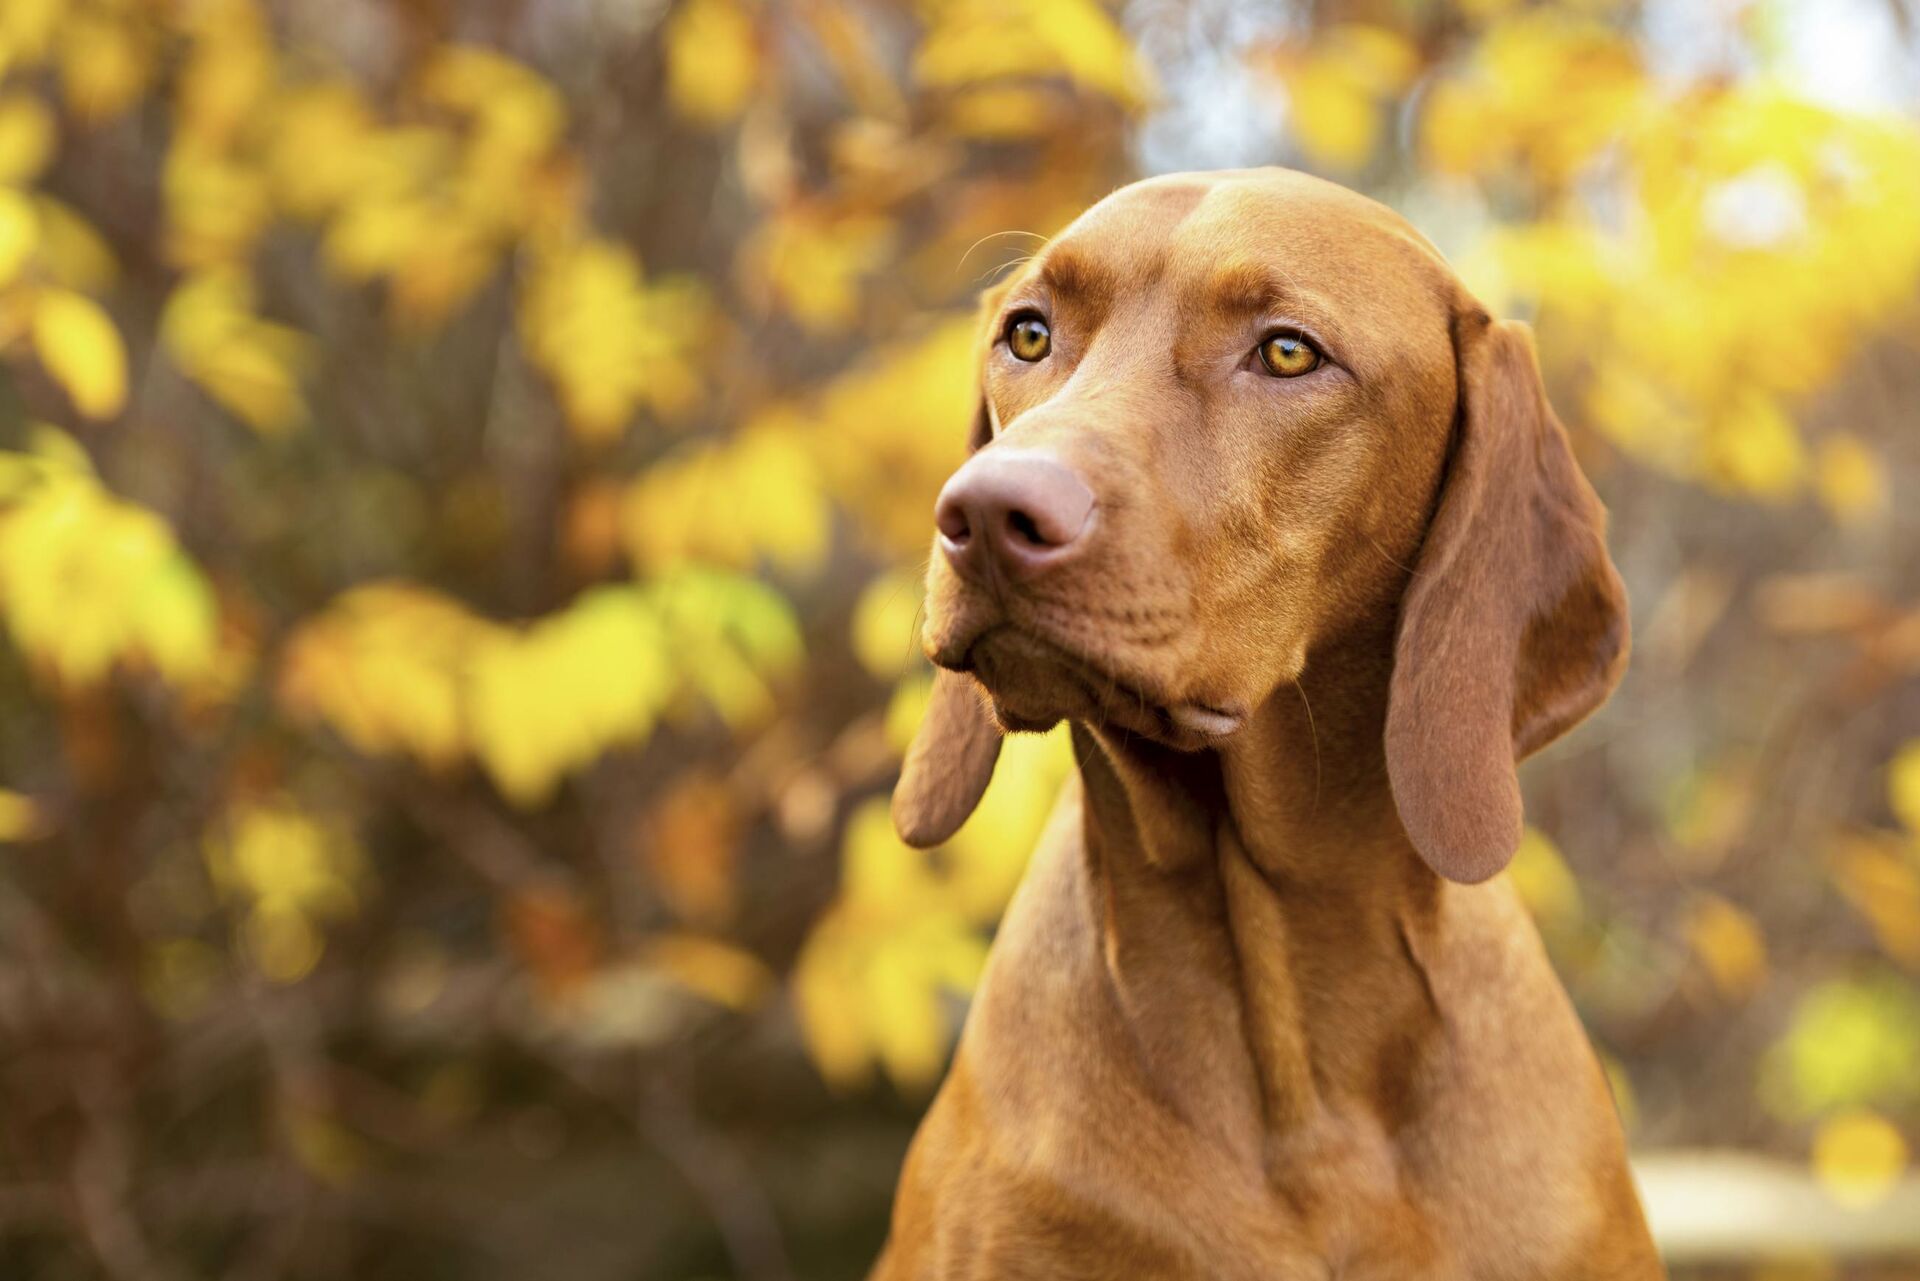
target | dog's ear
[
  {"x": 986, "y": 334},
  {"x": 949, "y": 764},
  {"x": 981, "y": 430},
  {"x": 1514, "y": 625}
]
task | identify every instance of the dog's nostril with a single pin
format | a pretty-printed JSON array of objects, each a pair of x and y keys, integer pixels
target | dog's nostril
[
  {"x": 1023, "y": 525},
  {"x": 951, "y": 521},
  {"x": 1018, "y": 510}
]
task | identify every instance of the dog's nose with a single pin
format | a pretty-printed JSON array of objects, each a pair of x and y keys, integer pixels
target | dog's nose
[{"x": 1023, "y": 509}]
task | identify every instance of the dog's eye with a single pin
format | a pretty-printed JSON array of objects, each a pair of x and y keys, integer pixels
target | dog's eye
[
  {"x": 1028, "y": 337},
  {"x": 1288, "y": 355}
]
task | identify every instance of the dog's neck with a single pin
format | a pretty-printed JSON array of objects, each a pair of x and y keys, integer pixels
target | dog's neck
[{"x": 1265, "y": 894}]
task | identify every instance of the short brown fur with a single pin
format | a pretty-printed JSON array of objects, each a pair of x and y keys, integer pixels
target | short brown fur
[{"x": 1258, "y": 1010}]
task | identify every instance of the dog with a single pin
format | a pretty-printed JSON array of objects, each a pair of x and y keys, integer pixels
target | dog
[{"x": 1274, "y": 513}]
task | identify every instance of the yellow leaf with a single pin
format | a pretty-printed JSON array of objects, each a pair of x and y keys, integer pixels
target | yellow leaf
[
  {"x": 1849, "y": 1044},
  {"x": 971, "y": 45},
  {"x": 1545, "y": 883},
  {"x": 871, "y": 978},
  {"x": 249, "y": 366},
  {"x": 218, "y": 205},
  {"x": 1756, "y": 449},
  {"x": 976, "y": 41},
  {"x": 1093, "y": 48},
  {"x": 906, "y": 709},
  {"x": 732, "y": 504},
  {"x": 173, "y": 620},
  {"x": 1858, "y": 1157},
  {"x": 999, "y": 111},
  {"x": 27, "y": 136},
  {"x": 383, "y": 665},
  {"x": 1541, "y": 92},
  {"x": 814, "y": 265},
  {"x": 888, "y": 432},
  {"x": 27, "y": 28},
  {"x": 1454, "y": 128},
  {"x": 879, "y": 875},
  {"x": 104, "y": 65},
  {"x": 1903, "y": 785},
  {"x": 434, "y": 281},
  {"x": 81, "y": 351},
  {"x": 1852, "y": 479},
  {"x": 283, "y": 943},
  {"x": 322, "y": 133},
  {"x": 1729, "y": 944},
  {"x": 72, "y": 251},
  {"x": 886, "y": 624},
  {"x": 88, "y": 581},
  {"x": 289, "y": 872},
  {"x": 719, "y": 971},
  {"x": 1379, "y": 58},
  {"x": 1709, "y": 812},
  {"x": 607, "y": 341},
  {"x": 275, "y": 856},
  {"x": 397, "y": 669},
  {"x": 1337, "y": 123},
  {"x": 377, "y": 233},
  {"x": 727, "y": 634},
  {"x": 19, "y": 233},
  {"x": 712, "y": 60},
  {"x": 909, "y": 1026},
  {"x": 228, "y": 70},
  {"x": 1339, "y": 90},
  {"x": 1882, "y": 881},
  {"x": 550, "y": 698},
  {"x": 988, "y": 855},
  {"x": 20, "y": 818},
  {"x": 515, "y": 110}
]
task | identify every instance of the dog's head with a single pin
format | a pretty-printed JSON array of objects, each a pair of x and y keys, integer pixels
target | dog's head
[{"x": 1225, "y": 419}]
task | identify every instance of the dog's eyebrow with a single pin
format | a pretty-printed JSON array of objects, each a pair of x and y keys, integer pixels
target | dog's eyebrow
[
  {"x": 1068, "y": 274},
  {"x": 1253, "y": 289},
  {"x": 1245, "y": 288}
]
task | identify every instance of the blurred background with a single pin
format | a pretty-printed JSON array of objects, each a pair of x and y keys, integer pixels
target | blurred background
[{"x": 464, "y": 476}]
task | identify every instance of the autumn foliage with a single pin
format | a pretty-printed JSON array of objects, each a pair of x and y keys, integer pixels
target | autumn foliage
[{"x": 464, "y": 472}]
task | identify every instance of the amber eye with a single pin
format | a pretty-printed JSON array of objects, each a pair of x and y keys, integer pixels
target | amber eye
[
  {"x": 1028, "y": 337},
  {"x": 1288, "y": 355}
]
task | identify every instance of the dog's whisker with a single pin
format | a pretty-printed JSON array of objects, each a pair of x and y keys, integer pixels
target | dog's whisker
[
  {"x": 995, "y": 235},
  {"x": 913, "y": 635},
  {"x": 1383, "y": 555},
  {"x": 1313, "y": 734},
  {"x": 1012, "y": 264}
]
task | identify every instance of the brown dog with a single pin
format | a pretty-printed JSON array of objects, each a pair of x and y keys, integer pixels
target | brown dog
[{"x": 1268, "y": 508}]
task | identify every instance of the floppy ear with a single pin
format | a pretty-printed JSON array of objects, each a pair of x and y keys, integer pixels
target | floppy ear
[
  {"x": 951, "y": 760},
  {"x": 949, "y": 765},
  {"x": 981, "y": 432},
  {"x": 986, "y": 313},
  {"x": 1514, "y": 625}
]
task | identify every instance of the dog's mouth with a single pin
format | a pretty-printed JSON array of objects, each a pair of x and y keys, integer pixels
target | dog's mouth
[{"x": 1035, "y": 683}]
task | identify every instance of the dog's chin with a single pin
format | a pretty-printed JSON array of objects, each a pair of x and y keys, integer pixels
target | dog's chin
[{"x": 1034, "y": 684}]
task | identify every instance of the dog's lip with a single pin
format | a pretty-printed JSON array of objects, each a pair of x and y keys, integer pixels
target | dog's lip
[
  {"x": 1205, "y": 721},
  {"x": 1196, "y": 721}
]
